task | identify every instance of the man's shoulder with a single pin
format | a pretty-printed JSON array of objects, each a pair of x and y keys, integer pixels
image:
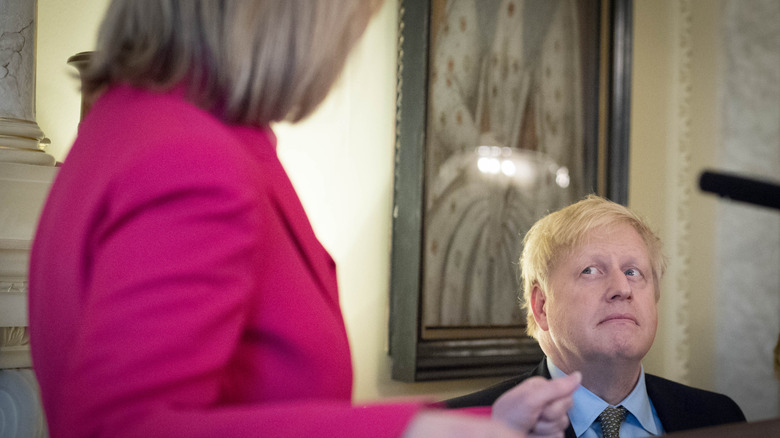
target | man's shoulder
[
  {"x": 688, "y": 406},
  {"x": 679, "y": 390}
]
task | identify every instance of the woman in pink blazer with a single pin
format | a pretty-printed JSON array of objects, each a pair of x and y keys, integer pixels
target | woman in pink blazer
[{"x": 176, "y": 285}]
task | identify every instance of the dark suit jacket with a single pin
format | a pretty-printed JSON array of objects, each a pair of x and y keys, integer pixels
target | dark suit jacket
[{"x": 679, "y": 407}]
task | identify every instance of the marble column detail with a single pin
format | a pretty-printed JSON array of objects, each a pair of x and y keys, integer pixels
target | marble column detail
[{"x": 21, "y": 140}]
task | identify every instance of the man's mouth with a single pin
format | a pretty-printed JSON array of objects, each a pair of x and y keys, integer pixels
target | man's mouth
[{"x": 619, "y": 317}]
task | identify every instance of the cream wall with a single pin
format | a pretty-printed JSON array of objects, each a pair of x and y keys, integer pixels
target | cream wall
[
  {"x": 674, "y": 110},
  {"x": 341, "y": 161},
  {"x": 64, "y": 28},
  {"x": 671, "y": 129}
]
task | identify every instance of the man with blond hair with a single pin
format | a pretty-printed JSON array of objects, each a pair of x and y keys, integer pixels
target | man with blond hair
[{"x": 591, "y": 276}]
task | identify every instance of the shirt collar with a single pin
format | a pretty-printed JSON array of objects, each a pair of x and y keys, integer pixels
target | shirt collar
[{"x": 588, "y": 406}]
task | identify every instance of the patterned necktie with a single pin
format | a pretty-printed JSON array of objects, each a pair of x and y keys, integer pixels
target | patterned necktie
[{"x": 610, "y": 421}]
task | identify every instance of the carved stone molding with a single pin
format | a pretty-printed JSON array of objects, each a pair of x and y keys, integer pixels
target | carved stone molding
[
  {"x": 23, "y": 189},
  {"x": 677, "y": 360},
  {"x": 14, "y": 337},
  {"x": 12, "y": 287},
  {"x": 14, "y": 348}
]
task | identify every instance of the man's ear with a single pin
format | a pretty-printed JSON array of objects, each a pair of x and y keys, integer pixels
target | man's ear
[{"x": 538, "y": 306}]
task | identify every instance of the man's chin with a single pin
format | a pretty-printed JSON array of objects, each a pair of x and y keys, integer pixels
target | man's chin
[{"x": 626, "y": 353}]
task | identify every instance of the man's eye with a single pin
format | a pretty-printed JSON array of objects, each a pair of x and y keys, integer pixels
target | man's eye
[
  {"x": 589, "y": 270},
  {"x": 633, "y": 272}
]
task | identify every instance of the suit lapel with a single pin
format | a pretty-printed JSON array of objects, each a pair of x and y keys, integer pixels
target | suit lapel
[
  {"x": 670, "y": 417},
  {"x": 488, "y": 396}
]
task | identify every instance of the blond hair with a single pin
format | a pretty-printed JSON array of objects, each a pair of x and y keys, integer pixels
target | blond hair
[
  {"x": 558, "y": 234},
  {"x": 248, "y": 62}
]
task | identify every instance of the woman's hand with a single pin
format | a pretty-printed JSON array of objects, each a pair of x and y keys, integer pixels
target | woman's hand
[{"x": 538, "y": 406}]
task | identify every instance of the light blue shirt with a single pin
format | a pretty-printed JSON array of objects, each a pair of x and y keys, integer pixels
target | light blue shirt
[{"x": 641, "y": 421}]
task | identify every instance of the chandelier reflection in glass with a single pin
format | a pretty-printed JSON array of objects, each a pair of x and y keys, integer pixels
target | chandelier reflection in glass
[
  {"x": 481, "y": 205},
  {"x": 517, "y": 164}
]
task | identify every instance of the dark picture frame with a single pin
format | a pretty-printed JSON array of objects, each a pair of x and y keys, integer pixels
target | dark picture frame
[{"x": 418, "y": 351}]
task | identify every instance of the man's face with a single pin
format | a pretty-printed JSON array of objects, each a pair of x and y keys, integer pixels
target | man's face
[{"x": 602, "y": 307}]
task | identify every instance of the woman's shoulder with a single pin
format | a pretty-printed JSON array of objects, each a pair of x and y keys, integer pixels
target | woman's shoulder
[
  {"x": 139, "y": 144},
  {"x": 138, "y": 124},
  {"x": 124, "y": 111}
]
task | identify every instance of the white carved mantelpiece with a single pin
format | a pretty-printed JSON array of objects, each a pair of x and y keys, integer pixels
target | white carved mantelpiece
[
  {"x": 26, "y": 173},
  {"x": 16, "y": 347},
  {"x": 23, "y": 190}
]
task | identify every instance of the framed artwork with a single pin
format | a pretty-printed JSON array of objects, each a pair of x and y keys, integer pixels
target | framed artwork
[{"x": 506, "y": 110}]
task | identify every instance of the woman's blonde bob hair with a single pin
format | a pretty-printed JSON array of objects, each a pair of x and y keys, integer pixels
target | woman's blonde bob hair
[
  {"x": 558, "y": 234},
  {"x": 249, "y": 62}
]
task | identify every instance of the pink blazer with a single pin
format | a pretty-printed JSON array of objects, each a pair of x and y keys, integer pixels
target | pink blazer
[{"x": 177, "y": 288}]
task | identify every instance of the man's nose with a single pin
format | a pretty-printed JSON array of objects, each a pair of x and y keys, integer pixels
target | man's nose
[{"x": 618, "y": 287}]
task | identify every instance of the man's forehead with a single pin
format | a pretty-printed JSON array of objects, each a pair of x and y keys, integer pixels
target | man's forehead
[{"x": 601, "y": 241}]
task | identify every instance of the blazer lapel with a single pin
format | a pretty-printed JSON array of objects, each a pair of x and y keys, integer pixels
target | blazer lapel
[
  {"x": 262, "y": 144},
  {"x": 301, "y": 233}
]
